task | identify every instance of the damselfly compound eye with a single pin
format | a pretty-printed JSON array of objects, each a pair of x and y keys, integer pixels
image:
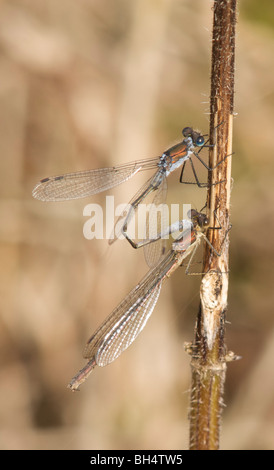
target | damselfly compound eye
[
  {"x": 187, "y": 131},
  {"x": 200, "y": 141}
]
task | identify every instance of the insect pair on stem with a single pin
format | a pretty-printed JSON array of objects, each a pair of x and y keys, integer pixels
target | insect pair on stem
[{"x": 128, "y": 319}]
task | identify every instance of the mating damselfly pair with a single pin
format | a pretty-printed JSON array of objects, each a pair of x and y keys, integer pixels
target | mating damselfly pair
[{"x": 128, "y": 319}]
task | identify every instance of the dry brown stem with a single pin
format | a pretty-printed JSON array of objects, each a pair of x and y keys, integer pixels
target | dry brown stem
[{"x": 208, "y": 351}]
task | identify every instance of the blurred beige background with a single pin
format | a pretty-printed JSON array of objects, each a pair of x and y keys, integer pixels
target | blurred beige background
[{"x": 94, "y": 83}]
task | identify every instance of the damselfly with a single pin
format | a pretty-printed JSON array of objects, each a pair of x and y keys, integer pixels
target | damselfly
[
  {"x": 87, "y": 183},
  {"x": 128, "y": 319}
]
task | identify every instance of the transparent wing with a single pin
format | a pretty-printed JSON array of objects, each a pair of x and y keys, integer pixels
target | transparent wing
[
  {"x": 127, "y": 320},
  {"x": 156, "y": 223},
  {"x": 87, "y": 183},
  {"x": 121, "y": 337}
]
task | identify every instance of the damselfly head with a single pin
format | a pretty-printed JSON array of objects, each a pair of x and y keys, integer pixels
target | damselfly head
[
  {"x": 197, "y": 138},
  {"x": 198, "y": 218}
]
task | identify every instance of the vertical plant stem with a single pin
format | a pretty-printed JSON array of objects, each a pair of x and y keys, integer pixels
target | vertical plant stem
[{"x": 208, "y": 351}]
